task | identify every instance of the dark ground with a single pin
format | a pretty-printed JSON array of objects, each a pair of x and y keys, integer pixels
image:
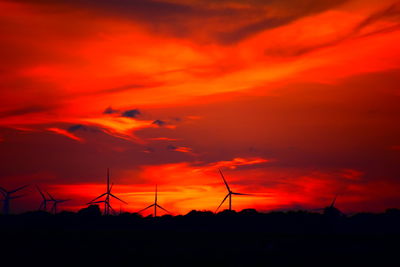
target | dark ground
[{"x": 247, "y": 238}]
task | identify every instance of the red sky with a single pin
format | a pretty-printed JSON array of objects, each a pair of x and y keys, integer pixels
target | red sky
[{"x": 296, "y": 101}]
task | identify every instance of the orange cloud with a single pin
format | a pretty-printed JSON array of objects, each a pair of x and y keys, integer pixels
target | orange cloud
[
  {"x": 104, "y": 69},
  {"x": 186, "y": 186},
  {"x": 232, "y": 164},
  {"x": 182, "y": 149},
  {"x": 66, "y": 133},
  {"x": 120, "y": 127}
]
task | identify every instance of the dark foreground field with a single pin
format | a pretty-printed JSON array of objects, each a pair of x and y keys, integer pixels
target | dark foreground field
[{"x": 201, "y": 239}]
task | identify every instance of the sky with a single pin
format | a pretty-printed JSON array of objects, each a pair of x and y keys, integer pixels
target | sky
[{"x": 295, "y": 102}]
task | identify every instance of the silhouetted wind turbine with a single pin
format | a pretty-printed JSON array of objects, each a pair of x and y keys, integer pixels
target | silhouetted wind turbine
[
  {"x": 55, "y": 202},
  {"x": 155, "y": 205},
  {"x": 230, "y": 193},
  {"x": 107, "y": 194},
  {"x": 43, "y": 204},
  {"x": 7, "y": 196},
  {"x": 333, "y": 202},
  {"x": 332, "y": 210},
  {"x": 331, "y": 206}
]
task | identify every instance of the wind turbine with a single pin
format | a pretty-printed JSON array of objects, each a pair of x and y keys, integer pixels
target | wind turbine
[
  {"x": 332, "y": 210},
  {"x": 333, "y": 202},
  {"x": 43, "y": 204},
  {"x": 55, "y": 202},
  {"x": 7, "y": 196},
  {"x": 230, "y": 193},
  {"x": 107, "y": 194},
  {"x": 155, "y": 205}
]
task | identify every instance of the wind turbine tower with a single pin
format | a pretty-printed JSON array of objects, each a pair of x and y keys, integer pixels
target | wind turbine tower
[
  {"x": 43, "y": 204},
  {"x": 55, "y": 203},
  {"x": 8, "y": 196},
  {"x": 107, "y": 194},
  {"x": 230, "y": 193},
  {"x": 155, "y": 205}
]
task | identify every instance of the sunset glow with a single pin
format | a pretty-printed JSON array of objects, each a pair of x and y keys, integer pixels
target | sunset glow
[{"x": 295, "y": 101}]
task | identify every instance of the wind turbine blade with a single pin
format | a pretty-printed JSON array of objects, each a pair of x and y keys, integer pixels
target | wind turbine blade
[
  {"x": 19, "y": 188},
  {"x": 14, "y": 197},
  {"x": 102, "y": 195},
  {"x": 223, "y": 201},
  {"x": 162, "y": 208},
  {"x": 3, "y": 191},
  {"x": 334, "y": 201},
  {"x": 241, "y": 194},
  {"x": 51, "y": 197},
  {"x": 41, "y": 193},
  {"x": 146, "y": 208},
  {"x": 223, "y": 178},
  {"x": 118, "y": 198},
  {"x": 111, "y": 188},
  {"x": 101, "y": 201}
]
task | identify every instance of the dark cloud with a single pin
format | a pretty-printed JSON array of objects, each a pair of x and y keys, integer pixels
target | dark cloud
[
  {"x": 24, "y": 111},
  {"x": 391, "y": 12},
  {"x": 77, "y": 127},
  {"x": 292, "y": 10},
  {"x": 185, "y": 18},
  {"x": 133, "y": 113},
  {"x": 110, "y": 110},
  {"x": 242, "y": 33},
  {"x": 171, "y": 148},
  {"x": 159, "y": 123},
  {"x": 133, "y": 9}
]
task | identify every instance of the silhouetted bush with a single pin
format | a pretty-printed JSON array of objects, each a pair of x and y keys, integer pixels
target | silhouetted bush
[
  {"x": 201, "y": 238},
  {"x": 91, "y": 211},
  {"x": 197, "y": 213},
  {"x": 247, "y": 212}
]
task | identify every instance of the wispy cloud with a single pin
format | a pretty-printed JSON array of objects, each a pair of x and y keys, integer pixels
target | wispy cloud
[
  {"x": 163, "y": 139},
  {"x": 183, "y": 149},
  {"x": 66, "y": 133},
  {"x": 232, "y": 164},
  {"x": 120, "y": 127}
]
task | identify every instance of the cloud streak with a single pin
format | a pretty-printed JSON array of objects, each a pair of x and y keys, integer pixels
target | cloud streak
[
  {"x": 251, "y": 17},
  {"x": 66, "y": 133}
]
